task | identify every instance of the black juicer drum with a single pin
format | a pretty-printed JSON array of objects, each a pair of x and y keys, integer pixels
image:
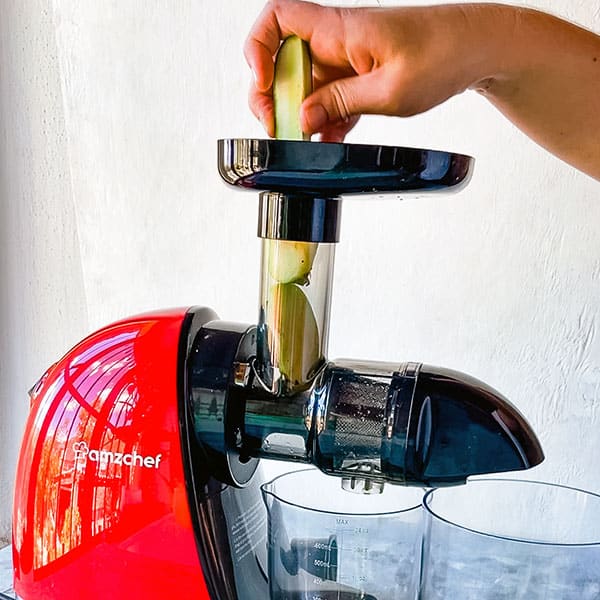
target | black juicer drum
[{"x": 361, "y": 421}]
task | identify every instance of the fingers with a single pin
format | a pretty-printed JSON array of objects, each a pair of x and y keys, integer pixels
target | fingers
[
  {"x": 278, "y": 20},
  {"x": 343, "y": 99},
  {"x": 261, "y": 105},
  {"x": 331, "y": 109},
  {"x": 336, "y": 132},
  {"x": 261, "y": 46}
]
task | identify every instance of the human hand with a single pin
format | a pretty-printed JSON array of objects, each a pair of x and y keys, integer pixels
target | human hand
[
  {"x": 540, "y": 71},
  {"x": 388, "y": 61}
]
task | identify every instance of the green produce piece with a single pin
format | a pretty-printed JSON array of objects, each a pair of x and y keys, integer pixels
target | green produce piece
[
  {"x": 291, "y": 85},
  {"x": 291, "y": 324},
  {"x": 294, "y": 333},
  {"x": 290, "y": 262}
]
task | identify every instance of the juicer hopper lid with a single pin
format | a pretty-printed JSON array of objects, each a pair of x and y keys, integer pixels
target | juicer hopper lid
[{"x": 332, "y": 169}]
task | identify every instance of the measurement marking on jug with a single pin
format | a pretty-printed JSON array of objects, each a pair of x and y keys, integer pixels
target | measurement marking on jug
[{"x": 321, "y": 563}]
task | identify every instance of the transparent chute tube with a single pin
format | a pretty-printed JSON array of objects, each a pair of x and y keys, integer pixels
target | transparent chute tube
[{"x": 295, "y": 295}]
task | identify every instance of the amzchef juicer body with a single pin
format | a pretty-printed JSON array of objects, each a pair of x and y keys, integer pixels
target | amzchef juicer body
[
  {"x": 130, "y": 483},
  {"x": 138, "y": 475}
]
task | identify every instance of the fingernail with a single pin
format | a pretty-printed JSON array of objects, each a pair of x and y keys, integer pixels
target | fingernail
[{"x": 315, "y": 117}]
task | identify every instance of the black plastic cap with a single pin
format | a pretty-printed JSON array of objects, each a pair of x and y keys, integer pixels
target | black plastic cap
[{"x": 299, "y": 218}]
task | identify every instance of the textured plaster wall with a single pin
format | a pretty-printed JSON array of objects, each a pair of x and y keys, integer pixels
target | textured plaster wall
[
  {"x": 111, "y": 205},
  {"x": 43, "y": 308}
]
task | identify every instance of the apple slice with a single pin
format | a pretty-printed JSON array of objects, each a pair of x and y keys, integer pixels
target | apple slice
[
  {"x": 295, "y": 335},
  {"x": 292, "y": 328},
  {"x": 291, "y": 262},
  {"x": 292, "y": 83}
]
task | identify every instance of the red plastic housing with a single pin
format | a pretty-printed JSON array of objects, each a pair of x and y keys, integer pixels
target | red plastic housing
[{"x": 100, "y": 505}]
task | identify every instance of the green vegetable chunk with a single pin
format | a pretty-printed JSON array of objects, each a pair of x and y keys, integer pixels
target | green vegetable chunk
[
  {"x": 295, "y": 334},
  {"x": 291, "y": 324},
  {"x": 292, "y": 83},
  {"x": 290, "y": 262}
]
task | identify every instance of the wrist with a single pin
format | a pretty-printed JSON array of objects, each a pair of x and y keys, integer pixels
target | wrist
[
  {"x": 516, "y": 42},
  {"x": 495, "y": 38},
  {"x": 478, "y": 44}
]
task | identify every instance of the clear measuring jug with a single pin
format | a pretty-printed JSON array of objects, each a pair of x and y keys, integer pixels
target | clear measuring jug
[
  {"x": 503, "y": 539},
  {"x": 326, "y": 543}
]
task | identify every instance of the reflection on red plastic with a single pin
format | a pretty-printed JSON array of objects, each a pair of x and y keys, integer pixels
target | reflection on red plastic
[{"x": 100, "y": 506}]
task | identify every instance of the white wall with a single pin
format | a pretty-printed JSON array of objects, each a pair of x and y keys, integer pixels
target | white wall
[
  {"x": 43, "y": 308},
  {"x": 111, "y": 205}
]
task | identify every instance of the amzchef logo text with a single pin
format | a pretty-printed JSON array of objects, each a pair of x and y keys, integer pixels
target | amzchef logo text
[{"x": 133, "y": 459}]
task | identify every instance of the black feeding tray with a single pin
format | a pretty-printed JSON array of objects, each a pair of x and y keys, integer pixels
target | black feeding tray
[{"x": 332, "y": 169}]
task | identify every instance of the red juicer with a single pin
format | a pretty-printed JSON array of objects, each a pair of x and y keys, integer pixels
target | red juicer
[{"x": 138, "y": 475}]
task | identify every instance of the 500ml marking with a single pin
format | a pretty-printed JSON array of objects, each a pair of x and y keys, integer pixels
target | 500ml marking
[{"x": 132, "y": 459}]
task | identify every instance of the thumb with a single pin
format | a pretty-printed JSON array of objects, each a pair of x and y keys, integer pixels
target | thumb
[{"x": 344, "y": 98}]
